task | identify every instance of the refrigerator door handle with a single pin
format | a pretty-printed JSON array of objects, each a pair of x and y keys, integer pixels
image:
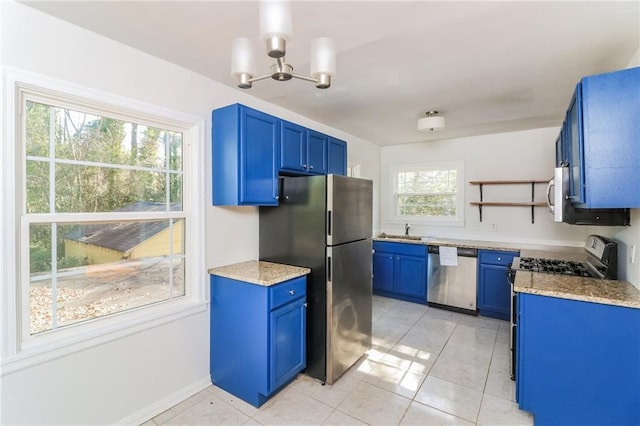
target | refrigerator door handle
[
  {"x": 329, "y": 222},
  {"x": 328, "y": 268}
]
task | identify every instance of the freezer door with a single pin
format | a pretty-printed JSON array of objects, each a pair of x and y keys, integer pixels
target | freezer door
[
  {"x": 349, "y": 306},
  {"x": 349, "y": 205}
]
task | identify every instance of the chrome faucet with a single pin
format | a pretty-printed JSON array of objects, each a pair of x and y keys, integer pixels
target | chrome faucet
[{"x": 406, "y": 229}]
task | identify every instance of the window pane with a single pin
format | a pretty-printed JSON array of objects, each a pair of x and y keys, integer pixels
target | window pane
[
  {"x": 41, "y": 128},
  {"x": 427, "y": 205},
  {"x": 37, "y": 186},
  {"x": 103, "y": 268},
  {"x": 40, "y": 254},
  {"x": 105, "y": 189}
]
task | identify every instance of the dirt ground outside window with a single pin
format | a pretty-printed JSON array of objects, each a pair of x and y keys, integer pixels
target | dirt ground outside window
[{"x": 103, "y": 290}]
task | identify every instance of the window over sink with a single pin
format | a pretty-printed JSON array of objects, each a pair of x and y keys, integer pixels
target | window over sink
[{"x": 428, "y": 193}]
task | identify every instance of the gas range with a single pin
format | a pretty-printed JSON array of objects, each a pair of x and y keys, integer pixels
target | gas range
[
  {"x": 552, "y": 266},
  {"x": 602, "y": 261}
]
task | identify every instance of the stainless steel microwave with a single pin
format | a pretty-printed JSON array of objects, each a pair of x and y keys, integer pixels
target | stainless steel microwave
[{"x": 563, "y": 210}]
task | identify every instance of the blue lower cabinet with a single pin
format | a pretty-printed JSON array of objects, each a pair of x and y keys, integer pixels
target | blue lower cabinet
[
  {"x": 494, "y": 289},
  {"x": 258, "y": 336},
  {"x": 400, "y": 271},
  {"x": 578, "y": 362}
]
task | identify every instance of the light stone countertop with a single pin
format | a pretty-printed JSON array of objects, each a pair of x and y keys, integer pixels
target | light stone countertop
[
  {"x": 596, "y": 290},
  {"x": 478, "y": 244},
  {"x": 259, "y": 272},
  {"x": 610, "y": 292}
]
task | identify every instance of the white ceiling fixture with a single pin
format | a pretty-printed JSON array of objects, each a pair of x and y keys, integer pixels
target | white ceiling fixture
[
  {"x": 431, "y": 123},
  {"x": 275, "y": 30}
]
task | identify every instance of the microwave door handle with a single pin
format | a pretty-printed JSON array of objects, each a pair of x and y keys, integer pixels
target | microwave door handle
[{"x": 551, "y": 184}]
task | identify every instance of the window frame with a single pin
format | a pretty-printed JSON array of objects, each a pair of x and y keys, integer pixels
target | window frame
[
  {"x": 19, "y": 349},
  {"x": 395, "y": 218}
]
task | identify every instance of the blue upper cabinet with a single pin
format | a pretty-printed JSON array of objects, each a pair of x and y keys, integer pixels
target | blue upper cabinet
[
  {"x": 302, "y": 150},
  {"x": 603, "y": 132},
  {"x": 316, "y": 152},
  {"x": 246, "y": 145},
  {"x": 250, "y": 149},
  {"x": 337, "y": 157},
  {"x": 293, "y": 147}
]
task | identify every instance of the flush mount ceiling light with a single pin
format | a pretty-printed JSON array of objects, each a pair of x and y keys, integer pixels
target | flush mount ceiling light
[
  {"x": 275, "y": 29},
  {"x": 431, "y": 123}
]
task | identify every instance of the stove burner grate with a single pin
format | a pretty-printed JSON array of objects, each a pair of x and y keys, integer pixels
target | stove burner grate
[{"x": 553, "y": 266}]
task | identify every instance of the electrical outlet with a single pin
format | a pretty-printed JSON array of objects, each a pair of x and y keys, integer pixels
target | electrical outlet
[
  {"x": 632, "y": 253},
  {"x": 493, "y": 227}
]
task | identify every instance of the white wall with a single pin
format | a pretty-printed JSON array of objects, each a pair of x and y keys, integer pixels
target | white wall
[
  {"x": 626, "y": 237},
  {"x": 505, "y": 156},
  {"x": 134, "y": 377}
]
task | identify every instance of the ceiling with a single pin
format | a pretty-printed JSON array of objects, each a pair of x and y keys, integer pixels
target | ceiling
[{"x": 488, "y": 67}]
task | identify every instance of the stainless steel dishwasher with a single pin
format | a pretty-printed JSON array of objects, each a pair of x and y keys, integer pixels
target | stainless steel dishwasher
[{"x": 453, "y": 287}]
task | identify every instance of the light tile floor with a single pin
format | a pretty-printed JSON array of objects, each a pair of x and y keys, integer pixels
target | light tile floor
[{"x": 427, "y": 366}]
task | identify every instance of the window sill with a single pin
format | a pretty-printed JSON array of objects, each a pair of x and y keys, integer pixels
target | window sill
[
  {"x": 45, "y": 348},
  {"x": 426, "y": 222}
]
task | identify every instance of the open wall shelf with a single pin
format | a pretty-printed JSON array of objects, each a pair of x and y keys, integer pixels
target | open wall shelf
[{"x": 531, "y": 203}]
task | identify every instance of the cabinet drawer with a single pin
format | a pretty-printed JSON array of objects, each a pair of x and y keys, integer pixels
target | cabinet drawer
[
  {"x": 287, "y": 291},
  {"x": 400, "y": 248},
  {"x": 496, "y": 257}
]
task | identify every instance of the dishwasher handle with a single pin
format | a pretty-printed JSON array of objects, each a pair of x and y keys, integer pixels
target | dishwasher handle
[{"x": 462, "y": 251}]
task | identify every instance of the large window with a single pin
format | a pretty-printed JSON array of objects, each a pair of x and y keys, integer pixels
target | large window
[
  {"x": 102, "y": 212},
  {"x": 428, "y": 193}
]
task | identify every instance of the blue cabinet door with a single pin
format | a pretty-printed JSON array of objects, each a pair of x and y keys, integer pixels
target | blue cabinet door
[
  {"x": 246, "y": 146},
  {"x": 259, "y": 145},
  {"x": 337, "y": 157},
  {"x": 288, "y": 343},
  {"x": 316, "y": 152},
  {"x": 383, "y": 271},
  {"x": 411, "y": 276},
  {"x": 293, "y": 147},
  {"x": 400, "y": 271},
  {"x": 611, "y": 131},
  {"x": 494, "y": 291}
]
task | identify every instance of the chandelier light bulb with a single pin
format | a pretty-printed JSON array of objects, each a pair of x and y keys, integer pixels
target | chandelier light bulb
[
  {"x": 243, "y": 65},
  {"x": 276, "y": 26},
  {"x": 323, "y": 61}
]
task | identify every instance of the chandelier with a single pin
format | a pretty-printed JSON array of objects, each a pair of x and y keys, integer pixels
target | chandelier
[{"x": 275, "y": 30}]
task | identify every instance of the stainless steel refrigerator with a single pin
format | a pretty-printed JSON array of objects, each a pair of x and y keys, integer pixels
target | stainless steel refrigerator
[{"x": 324, "y": 223}]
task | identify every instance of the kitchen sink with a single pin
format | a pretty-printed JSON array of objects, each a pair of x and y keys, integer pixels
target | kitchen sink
[{"x": 400, "y": 237}]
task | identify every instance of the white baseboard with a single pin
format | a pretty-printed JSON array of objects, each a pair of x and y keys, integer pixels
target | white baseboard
[{"x": 149, "y": 412}]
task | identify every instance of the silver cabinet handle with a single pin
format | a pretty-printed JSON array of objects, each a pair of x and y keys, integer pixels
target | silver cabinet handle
[
  {"x": 499, "y": 258},
  {"x": 304, "y": 166},
  {"x": 292, "y": 292},
  {"x": 310, "y": 167}
]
